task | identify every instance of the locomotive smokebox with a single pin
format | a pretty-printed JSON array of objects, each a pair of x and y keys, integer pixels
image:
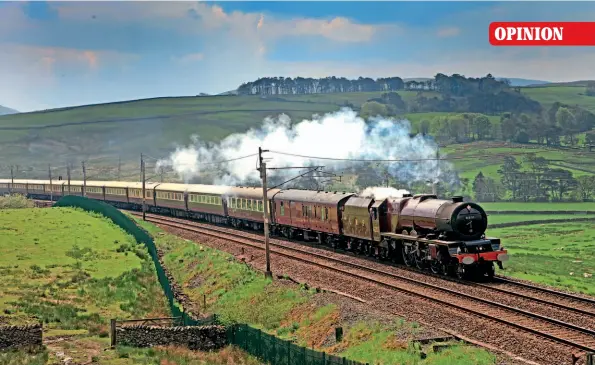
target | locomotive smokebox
[{"x": 467, "y": 221}]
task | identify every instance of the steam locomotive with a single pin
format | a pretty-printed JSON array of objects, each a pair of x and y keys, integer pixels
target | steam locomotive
[{"x": 443, "y": 236}]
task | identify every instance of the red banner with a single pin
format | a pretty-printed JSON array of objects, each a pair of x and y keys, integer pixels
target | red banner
[{"x": 542, "y": 34}]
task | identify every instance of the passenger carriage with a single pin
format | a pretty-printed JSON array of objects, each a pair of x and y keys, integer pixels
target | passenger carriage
[
  {"x": 312, "y": 214},
  {"x": 245, "y": 206}
]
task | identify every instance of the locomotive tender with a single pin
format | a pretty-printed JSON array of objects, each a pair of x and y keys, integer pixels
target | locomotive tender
[{"x": 443, "y": 236}]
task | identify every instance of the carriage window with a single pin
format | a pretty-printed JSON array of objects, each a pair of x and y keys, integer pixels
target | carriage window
[
  {"x": 326, "y": 213},
  {"x": 243, "y": 203},
  {"x": 282, "y": 209},
  {"x": 260, "y": 206},
  {"x": 249, "y": 202}
]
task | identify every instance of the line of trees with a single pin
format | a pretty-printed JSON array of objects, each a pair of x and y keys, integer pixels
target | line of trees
[
  {"x": 455, "y": 85},
  {"x": 561, "y": 123},
  {"x": 531, "y": 180}
]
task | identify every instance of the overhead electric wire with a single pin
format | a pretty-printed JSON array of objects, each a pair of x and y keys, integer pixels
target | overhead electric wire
[{"x": 398, "y": 160}]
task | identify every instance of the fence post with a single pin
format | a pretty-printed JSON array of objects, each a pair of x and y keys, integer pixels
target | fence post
[
  {"x": 303, "y": 355},
  {"x": 323, "y": 358},
  {"x": 260, "y": 343},
  {"x": 288, "y": 353},
  {"x": 113, "y": 332},
  {"x": 344, "y": 361}
]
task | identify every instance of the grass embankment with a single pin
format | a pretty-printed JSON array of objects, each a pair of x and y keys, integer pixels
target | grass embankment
[
  {"x": 74, "y": 271},
  {"x": 239, "y": 294},
  {"x": 557, "y": 254}
]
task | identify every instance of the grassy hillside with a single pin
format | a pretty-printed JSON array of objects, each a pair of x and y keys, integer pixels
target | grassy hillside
[
  {"x": 123, "y": 130},
  {"x": 75, "y": 271}
]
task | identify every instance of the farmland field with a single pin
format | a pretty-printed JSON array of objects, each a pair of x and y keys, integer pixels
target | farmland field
[
  {"x": 558, "y": 254},
  {"x": 510, "y": 218},
  {"x": 521, "y": 207}
]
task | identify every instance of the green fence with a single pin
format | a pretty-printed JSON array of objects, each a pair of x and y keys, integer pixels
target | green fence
[
  {"x": 279, "y": 352},
  {"x": 255, "y": 342}
]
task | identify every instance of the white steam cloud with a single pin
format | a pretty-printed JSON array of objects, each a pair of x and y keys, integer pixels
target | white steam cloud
[
  {"x": 338, "y": 135},
  {"x": 380, "y": 192}
]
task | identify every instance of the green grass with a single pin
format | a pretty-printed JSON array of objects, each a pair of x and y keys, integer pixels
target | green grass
[
  {"x": 73, "y": 270},
  {"x": 520, "y": 207},
  {"x": 571, "y": 95},
  {"x": 376, "y": 344},
  {"x": 509, "y": 218},
  {"x": 558, "y": 254},
  {"x": 242, "y": 295}
]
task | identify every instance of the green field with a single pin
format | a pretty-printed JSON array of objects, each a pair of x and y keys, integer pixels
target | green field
[
  {"x": 240, "y": 294},
  {"x": 510, "y": 218},
  {"x": 558, "y": 254},
  {"x": 520, "y": 207},
  {"x": 571, "y": 95},
  {"x": 75, "y": 271},
  {"x": 487, "y": 157}
]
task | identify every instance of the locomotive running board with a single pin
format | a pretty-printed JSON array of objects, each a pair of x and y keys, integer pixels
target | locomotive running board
[{"x": 420, "y": 239}]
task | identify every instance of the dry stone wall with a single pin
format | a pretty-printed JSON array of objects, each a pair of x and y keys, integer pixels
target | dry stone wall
[
  {"x": 202, "y": 338},
  {"x": 21, "y": 336}
]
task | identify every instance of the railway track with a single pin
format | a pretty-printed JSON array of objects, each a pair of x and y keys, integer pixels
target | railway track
[{"x": 579, "y": 338}]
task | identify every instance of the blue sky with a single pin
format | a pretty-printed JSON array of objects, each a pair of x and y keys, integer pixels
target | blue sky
[{"x": 56, "y": 54}]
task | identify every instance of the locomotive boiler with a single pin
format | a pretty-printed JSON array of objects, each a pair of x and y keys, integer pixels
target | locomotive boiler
[{"x": 447, "y": 219}]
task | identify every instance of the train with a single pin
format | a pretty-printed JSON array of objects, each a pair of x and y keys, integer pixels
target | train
[{"x": 443, "y": 236}]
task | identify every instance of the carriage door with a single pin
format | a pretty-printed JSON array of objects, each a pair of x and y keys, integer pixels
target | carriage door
[{"x": 375, "y": 212}]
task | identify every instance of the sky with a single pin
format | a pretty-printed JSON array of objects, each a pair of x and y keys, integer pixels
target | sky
[{"x": 56, "y": 54}]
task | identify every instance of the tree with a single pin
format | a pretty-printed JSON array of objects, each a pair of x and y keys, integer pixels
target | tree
[
  {"x": 567, "y": 123},
  {"x": 586, "y": 187},
  {"x": 537, "y": 166},
  {"x": 510, "y": 175},
  {"x": 424, "y": 127},
  {"x": 560, "y": 182},
  {"x": 372, "y": 109},
  {"x": 486, "y": 189},
  {"x": 590, "y": 138}
]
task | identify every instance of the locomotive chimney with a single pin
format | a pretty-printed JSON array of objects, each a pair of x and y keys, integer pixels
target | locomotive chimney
[
  {"x": 407, "y": 195},
  {"x": 457, "y": 199}
]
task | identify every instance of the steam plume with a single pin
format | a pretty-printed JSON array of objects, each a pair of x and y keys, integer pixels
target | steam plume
[
  {"x": 380, "y": 193},
  {"x": 339, "y": 135}
]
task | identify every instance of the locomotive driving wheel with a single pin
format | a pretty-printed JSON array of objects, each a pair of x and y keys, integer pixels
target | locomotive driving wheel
[
  {"x": 408, "y": 253},
  {"x": 461, "y": 271},
  {"x": 436, "y": 266}
]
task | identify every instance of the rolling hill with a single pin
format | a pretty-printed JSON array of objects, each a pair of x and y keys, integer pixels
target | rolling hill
[
  {"x": 108, "y": 132},
  {"x": 5, "y": 111}
]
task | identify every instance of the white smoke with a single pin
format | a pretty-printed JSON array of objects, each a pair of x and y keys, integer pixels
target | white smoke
[
  {"x": 338, "y": 135},
  {"x": 380, "y": 192}
]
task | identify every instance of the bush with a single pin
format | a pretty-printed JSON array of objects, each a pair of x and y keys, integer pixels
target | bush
[{"x": 15, "y": 201}]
